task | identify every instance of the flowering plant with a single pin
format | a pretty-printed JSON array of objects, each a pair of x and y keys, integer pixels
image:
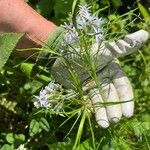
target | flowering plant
[{"x": 74, "y": 43}]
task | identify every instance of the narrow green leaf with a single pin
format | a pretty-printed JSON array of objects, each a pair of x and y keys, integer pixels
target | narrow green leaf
[
  {"x": 34, "y": 127},
  {"x": 54, "y": 40},
  {"x": 8, "y": 42},
  {"x": 143, "y": 11},
  {"x": 74, "y": 11},
  {"x": 44, "y": 124},
  {"x": 80, "y": 129}
]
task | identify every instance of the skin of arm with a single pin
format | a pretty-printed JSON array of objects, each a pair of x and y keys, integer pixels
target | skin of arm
[{"x": 18, "y": 16}]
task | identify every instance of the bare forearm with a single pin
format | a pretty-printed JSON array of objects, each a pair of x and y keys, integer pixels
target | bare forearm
[{"x": 17, "y": 16}]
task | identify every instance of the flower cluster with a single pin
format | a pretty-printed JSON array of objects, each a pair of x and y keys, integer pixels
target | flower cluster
[
  {"x": 43, "y": 99},
  {"x": 85, "y": 21}
]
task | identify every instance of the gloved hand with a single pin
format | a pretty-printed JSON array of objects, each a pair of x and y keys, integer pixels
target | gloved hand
[{"x": 118, "y": 89}]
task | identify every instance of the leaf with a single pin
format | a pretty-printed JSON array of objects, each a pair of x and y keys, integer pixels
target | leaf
[
  {"x": 51, "y": 46},
  {"x": 45, "y": 7},
  {"x": 54, "y": 39},
  {"x": 34, "y": 127},
  {"x": 44, "y": 124},
  {"x": 7, "y": 147},
  {"x": 74, "y": 11},
  {"x": 116, "y": 3},
  {"x": 143, "y": 11},
  {"x": 87, "y": 144},
  {"x": 26, "y": 68},
  {"x": 20, "y": 137},
  {"x": 8, "y": 42},
  {"x": 13, "y": 138},
  {"x": 10, "y": 138}
]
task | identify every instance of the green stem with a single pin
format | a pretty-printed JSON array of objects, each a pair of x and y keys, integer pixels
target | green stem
[{"x": 80, "y": 129}]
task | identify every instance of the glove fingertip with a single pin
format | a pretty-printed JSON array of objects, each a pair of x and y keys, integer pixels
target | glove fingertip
[
  {"x": 140, "y": 37},
  {"x": 103, "y": 123},
  {"x": 128, "y": 109}
]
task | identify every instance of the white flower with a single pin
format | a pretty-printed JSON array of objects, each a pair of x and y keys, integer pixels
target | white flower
[{"x": 21, "y": 147}]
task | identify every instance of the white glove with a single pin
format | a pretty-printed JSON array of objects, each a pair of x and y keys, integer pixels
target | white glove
[
  {"x": 116, "y": 88},
  {"x": 119, "y": 89}
]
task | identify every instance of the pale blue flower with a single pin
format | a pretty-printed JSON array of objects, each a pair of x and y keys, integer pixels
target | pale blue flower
[
  {"x": 81, "y": 23},
  {"x": 70, "y": 34},
  {"x": 84, "y": 11},
  {"x": 91, "y": 25},
  {"x": 43, "y": 99}
]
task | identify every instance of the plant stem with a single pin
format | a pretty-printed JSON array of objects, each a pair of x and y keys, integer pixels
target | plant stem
[{"x": 80, "y": 129}]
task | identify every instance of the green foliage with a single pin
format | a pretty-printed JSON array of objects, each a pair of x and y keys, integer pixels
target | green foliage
[
  {"x": 8, "y": 42},
  {"x": 143, "y": 11},
  {"x": 37, "y": 125},
  {"x": 34, "y": 127},
  {"x": 27, "y": 68},
  {"x": 45, "y": 7},
  {"x": 12, "y": 138}
]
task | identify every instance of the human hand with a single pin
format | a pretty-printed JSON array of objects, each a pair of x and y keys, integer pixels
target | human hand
[
  {"x": 118, "y": 89},
  {"x": 17, "y": 16}
]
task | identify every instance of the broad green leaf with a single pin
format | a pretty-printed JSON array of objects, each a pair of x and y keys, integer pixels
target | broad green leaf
[
  {"x": 8, "y": 42},
  {"x": 20, "y": 137},
  {"x": 35, "y": 85},
  {"x": 10, "y": 138},
  {"x": 34, "y": 127},
  {"x": 143, "y": 11},
  {"x": 87, "y": 144},
  {"x": 7, "y": 147},
  {"x": 44, "y": 124},
  {"x": 26, "y": 68}
]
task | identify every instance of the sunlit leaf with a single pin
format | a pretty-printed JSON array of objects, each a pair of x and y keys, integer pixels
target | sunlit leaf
[
  {"x": 8, "y": 42},
  {"x": 34, "y": 127},
  {"x": 44, "y": 124},
  {"x": 143, "y": 11}
]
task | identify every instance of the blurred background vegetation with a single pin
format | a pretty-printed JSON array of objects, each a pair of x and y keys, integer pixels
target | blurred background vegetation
[{"x": 21, "y": 79}]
